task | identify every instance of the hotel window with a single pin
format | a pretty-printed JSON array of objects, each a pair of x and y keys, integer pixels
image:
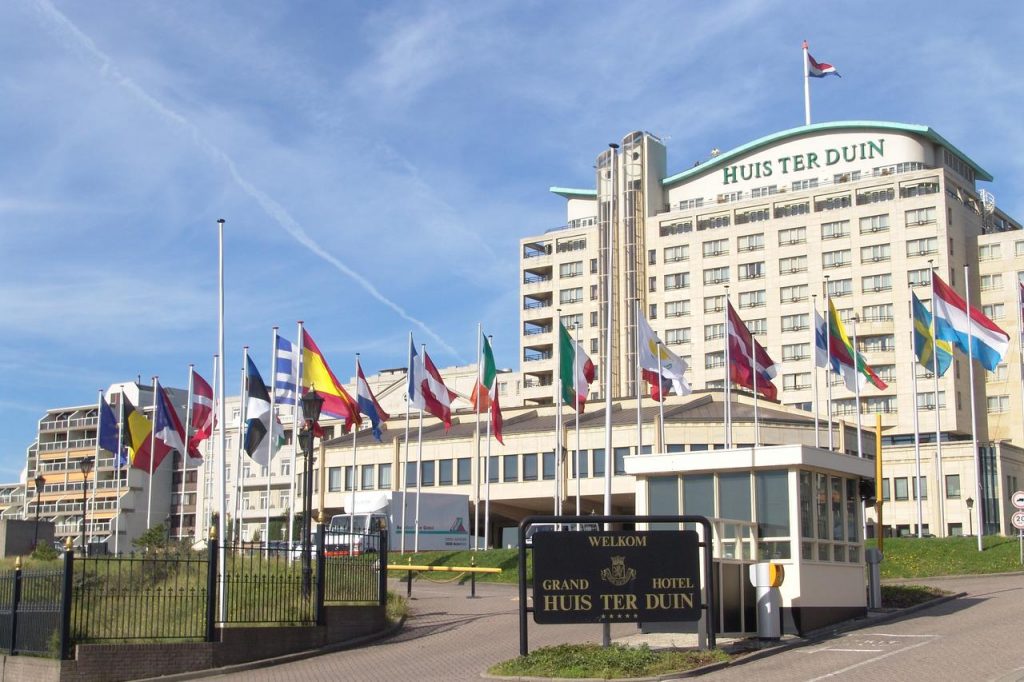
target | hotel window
[
  {"x": 840, "y": 287},
  {"x": 716, "y": 275},
  {"x": 878, "y": 313},
  {"x": 886, "y": 373},
  {"x": 677, "y": 308},
  {"x": 804, "y": 184},
  {"x": 674, "y": 254},
  {"x": 652, "y": 285},
  {"x": 366, "y": 476},
  {"x": 690, "y": 204},
  {"x": 926, "y": 401},
  {"x": 593, "y": 266},
  {"x": 793, "y": 264},
  {"x": 832, "y": 203},
  {"x": 574, "y": 269},
  {"x": 990, "y": 282},
  {"x": 548, "y": 464},
  {"x": 714, "y": 331},
  {"x": 795, "y": 323},
  {"x": 530, "y": 467},
  {"x": 751, "y": 242},
  {"x": 786, "y": 210},
  {"x": 593, "y": 318},
  {"x": 598, "y": 462},
  {"x": 1018, "y": 248},
  {"x": 924, "y": 487},
  {"x": 886, "y": 496},
  {"x": 713, "y": 360},
  {"x": 677, "y": 336},
  {"x": 994, "y": 311},
  {"x": 840, "y": 228},
  {"x": 901, "y": 488},
  {"x": 752, "y": 270},
  {"x": 334, "y": 479},
  {"x": 753, "y": 216},
  {"x": 714, "y": 304},
  {"x": 764, "y": 191},
  {"x": 572, "y": 321},
  {"x": 713, "y": 222},
  {"x": 836, "y": 259},
  {"x": 726, "y": 197},
  {"x": 680, "y": 280},
  {"x": 667, "y": 230},
  {"x": 846, "y": 177},
  {"x": 989, "y": 251},
  {"x": 876, "y": 283},
  {"x": 952, "y": 486},
  {"x": 427, "y": 472},
  {"x": 652, "y": 311},
  {"x": 875, "y": 195},
  {"x": 874, "y": 223},
  {"x": 1000, "y": 374},
  {"x": 753, "y": 299},
  {"x": 444, "y": 472},
  {"x": 919, "y": 278},
  {"x": 510, "y": 468},
  {"x": 920, "y": 216},
  {"x": 652, "y": 256},
  {"x": 593, "y": 345},
  {"x": 919, "y": 188},
  {"x": 883, "y": 405},
  {"x": 796, "y": 351},
  {"x": 922, "y": 247},
  {"x": 880, "y": 343},
  {"x": 758, "y": 326},
  {"x": 463, "y": 471},
  {"x": 876, "y": 253},
  {"x": 998, "y": 403},
  {"x": 793, "y": 294},
  {"x": 716, "y": 247},
  {"x": 574, "y": 295},
  {"x": 794, "y": 235}
]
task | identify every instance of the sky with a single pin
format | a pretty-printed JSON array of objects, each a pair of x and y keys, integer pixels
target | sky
[{"x": 377, "y": 162}]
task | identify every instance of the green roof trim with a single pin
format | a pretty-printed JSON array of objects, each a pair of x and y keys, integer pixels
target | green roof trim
[
  {"x": 570, "y": 193},
  {"x": 725, "y": 158}
]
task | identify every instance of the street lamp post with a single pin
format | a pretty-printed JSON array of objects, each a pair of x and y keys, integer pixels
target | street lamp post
[
  {"x": 311, "y": 406},
  {"x": 40, "y": 481},
  {"x": 85, "y": 465},
  {"x": 970, "y": 516}
]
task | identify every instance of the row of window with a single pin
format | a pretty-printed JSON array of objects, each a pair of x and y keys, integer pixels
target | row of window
[{"x": 904, "y": 488}]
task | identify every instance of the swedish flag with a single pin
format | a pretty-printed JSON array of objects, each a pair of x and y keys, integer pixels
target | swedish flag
[{"x": 924, "y": 346}]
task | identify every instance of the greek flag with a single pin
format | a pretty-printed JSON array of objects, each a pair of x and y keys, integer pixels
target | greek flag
[{"x": 286, "y": 367}]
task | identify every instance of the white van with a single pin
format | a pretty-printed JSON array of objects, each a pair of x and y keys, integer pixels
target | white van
[{"x": 535, "y": 528}]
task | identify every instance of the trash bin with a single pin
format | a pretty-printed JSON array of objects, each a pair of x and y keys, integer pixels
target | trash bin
[{"x": 766, "y": 578}]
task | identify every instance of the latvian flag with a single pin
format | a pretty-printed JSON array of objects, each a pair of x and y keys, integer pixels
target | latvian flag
[{"x": 818, "y": 69}]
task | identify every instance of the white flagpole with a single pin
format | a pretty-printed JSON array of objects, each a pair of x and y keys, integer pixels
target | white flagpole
[
  {"x": 728, "y": 374},
  {"x": 856, "y": 383},
  {"x": 807, "y": 88},
  {"x": 661, "y": 403},
  {"x": 117, "y": 468},
  {"x": 222, "y": 487},
  {"x": 753, "y": 369},
  {"x": 355, "y": 432},
  {"x": 184, "y": 455},
  {"x": 96, "y": 472},
  {"x": 152, "y": 452},
  {"x": 1020, "y": 342},
  {"x": 419, "y": 456},
  {"x": 476, "y": 437},
  {"x": 974, "y": 417},
  {"x": 209, "y": 462},
  {"x": 558, "y": 413},
  {"x": 270, "y": 434},
  {"x": 941, "y": 479},
  {"x": 917, "y": 435},
  {"x": 405, "y": 471},
  {"x": 487, "y": 508},
  {"x": 606, "y": 636},
  {"x": 576, "y": 418},
  {"x": 814, "y": 366},
  {"x": 237, "y": 521},
  {"x": 297, "y": 373},
  {"x": 828, "y": 361}
]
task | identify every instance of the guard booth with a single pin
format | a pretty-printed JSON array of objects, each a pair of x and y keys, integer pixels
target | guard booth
[{"x": 795, "y": 505}]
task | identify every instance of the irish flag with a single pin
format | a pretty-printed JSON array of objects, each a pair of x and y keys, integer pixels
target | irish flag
[
  {"x": 575, "y": 370},
  {"x": 486, "y": 373}
]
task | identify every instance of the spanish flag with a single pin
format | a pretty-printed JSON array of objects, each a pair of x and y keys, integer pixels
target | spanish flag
[{"x": 317, "y": 375}]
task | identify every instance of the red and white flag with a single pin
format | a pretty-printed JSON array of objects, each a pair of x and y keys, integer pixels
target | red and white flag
[
  {"x": 202, "y": 414},
  {"x": 742, "y": 347},
  {"x": 816, "y": 69},
  {"x": 426, "y": 388}
]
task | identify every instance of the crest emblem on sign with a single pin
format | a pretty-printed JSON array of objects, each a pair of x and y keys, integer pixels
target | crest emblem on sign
[{"x": 618, "y": 574}]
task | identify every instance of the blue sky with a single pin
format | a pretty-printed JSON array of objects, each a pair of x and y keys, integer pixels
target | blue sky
[{"x": 377, "y": 162}]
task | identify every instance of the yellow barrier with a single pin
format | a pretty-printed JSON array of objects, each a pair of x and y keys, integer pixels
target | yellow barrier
[{"x": 449, "y": 569}]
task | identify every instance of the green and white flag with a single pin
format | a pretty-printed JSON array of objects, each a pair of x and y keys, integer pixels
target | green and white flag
[{"x": 575, "y": 371}]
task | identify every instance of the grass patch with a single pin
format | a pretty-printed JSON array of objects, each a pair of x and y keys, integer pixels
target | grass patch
[
  {"x": 905, "y": 596},
  {"x": 616, "y": 661},
  {"x": 928, "y": 557},
  {"x": 397, "y": 608}
]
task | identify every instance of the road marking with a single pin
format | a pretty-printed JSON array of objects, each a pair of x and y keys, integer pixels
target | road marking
[
  {"x": 859, "y": 650},
  {"x": 870, "y": 660},
  {"x": 885, "y": 634}
]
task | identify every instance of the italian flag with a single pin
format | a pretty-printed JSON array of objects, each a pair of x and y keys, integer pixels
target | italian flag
[
  {"x": 485, "y": 391},
  {"x": 575, "y": 370}
]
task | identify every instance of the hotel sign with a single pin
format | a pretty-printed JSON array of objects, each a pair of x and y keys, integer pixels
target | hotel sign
[
  {"x": 616, "y": 576},
  {"x": 793, "y": 163}
]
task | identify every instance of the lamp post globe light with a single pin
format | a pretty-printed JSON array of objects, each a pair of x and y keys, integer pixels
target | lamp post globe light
[
  {"x": 970, "y": 516},
  {"x": 312, "y": 403},
  {"x": 85, "y": 465},
  {"x": 39, "y": 481}
]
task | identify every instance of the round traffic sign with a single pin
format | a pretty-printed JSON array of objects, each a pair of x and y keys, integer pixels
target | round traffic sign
[
  {"x": 1018, "y": 520},
  {"x": 1018, "y": 499}
]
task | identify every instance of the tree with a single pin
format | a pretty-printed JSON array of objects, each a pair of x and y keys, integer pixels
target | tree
[{"x": 154, "y": 539}]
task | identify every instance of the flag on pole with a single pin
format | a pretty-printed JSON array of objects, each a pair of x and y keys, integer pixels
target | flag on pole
[
  {"x": 820, "y": 341},
  {"x": 933, "y": 355},
  {"x": 816, "y": 69},
  {"x": 953, "y": 323},
  {"x": 286, "y": 368},
  {"x": 203, "y": 419},
  {"x": 108, "y": 428},
  {"x": 368, "y": 404},
  {"x": 496, "y": 421},
  {"x": 145, "y": 442},
  {"x": 168, "y": 433},
  {"x": 316, "y": 374},
  {"x": 431, "y": 392},
  {"x": 673, "y": 367},
  {"x": 742, "y": 346},
  {"x": 851, "y": 364},
  {"x": 259, "y": 443},
  {"x": 575, "y": 371},
  {"x": 486, "y": 373},
  {"x": 135, "y": 430}
]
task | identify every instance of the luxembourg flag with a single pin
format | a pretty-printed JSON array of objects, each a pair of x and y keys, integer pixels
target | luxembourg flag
[
  {"x": 817, "y": 69},
  {"x": 988, "y": 342},
  {"x": 368, "y": 404}
]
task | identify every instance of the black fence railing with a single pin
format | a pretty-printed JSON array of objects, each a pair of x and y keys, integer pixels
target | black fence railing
[
  {"x": 264, "y": 585},
  {"x": 355, "y": 570},
  {"x": 30, "y": 611}
]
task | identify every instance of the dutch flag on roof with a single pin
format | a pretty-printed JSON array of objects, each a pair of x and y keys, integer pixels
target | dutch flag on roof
[{"x": 816, "y": 69}]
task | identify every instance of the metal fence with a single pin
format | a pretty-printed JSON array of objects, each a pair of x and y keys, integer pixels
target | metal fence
[
  {"x": 263, "y": 583},
  {"x": 359, "y": 576},
  {"x": 30, "y": 611}
]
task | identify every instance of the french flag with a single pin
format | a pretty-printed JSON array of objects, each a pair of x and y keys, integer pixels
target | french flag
[
  {"x": 368, "y": 404},
  {"x": 988, "y": 343},
  {"x": 816, "y": 69}
]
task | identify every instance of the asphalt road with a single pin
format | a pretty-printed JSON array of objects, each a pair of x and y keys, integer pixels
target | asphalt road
[{"x": 448, "y": 637}]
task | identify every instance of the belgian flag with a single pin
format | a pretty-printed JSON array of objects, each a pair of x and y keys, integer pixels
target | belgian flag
[{"x": 137, "y": 431}]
